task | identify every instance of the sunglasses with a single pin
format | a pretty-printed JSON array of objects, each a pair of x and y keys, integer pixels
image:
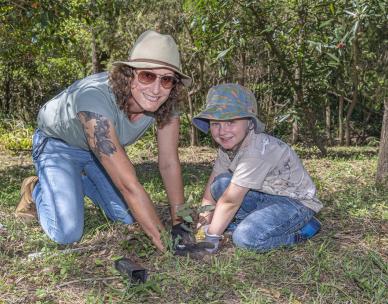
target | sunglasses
[{"x": 147, "y": 77}]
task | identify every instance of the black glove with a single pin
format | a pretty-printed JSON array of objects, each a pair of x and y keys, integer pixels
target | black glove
[
  {"x": 181, "y": 235},
  {"x": 194, "y": 251}
]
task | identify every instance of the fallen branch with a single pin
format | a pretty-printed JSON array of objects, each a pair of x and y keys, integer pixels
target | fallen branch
[
  {"x": 40, "y": 254},
  {"x": 87, "y": 280}
]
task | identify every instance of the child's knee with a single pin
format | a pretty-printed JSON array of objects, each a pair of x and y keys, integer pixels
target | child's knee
[
  {"x": 245, "y": 237},
  {"x": 219, "y": 185}
]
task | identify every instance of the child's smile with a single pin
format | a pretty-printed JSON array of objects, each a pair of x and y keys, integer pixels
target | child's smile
[{"x": 229, "y": 133}]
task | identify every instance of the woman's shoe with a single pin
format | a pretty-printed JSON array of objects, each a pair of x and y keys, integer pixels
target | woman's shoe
[{"x": 26, "y": 209}]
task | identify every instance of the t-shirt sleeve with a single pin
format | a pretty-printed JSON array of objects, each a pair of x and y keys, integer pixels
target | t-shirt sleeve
[
  {"x": 220, "y": 165},
  {"x": 94, "y": 100}
]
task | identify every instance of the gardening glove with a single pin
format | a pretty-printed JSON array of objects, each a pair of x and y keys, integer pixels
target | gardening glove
[
  {"x": 202, "y": 224},
  {"x": 200, "y": 234},
  {"x": 181, "y": 234},
  {"x": 194, "y": 251},
  {"x": 213, "y": 239}
]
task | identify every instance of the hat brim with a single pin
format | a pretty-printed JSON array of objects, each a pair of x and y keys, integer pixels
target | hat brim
[
  {"x": 201, "y": 121},
  {"x": 186, "y": 80}
]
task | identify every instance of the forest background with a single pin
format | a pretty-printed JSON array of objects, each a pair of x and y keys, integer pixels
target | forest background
[
  {"x": 317, "y": 68},
  {"x": 319, "y": 72}
]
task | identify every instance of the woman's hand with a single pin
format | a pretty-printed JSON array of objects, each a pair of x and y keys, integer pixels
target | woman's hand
[{"x": 181, "y": 235}]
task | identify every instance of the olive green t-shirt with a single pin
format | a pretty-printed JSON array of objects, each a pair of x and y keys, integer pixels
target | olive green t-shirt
[
  {"x": 266, "y": 164},
  {"x": 58, "y": 117}
]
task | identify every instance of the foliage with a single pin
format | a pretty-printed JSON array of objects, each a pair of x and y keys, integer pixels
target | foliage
[
  {"x": 15, "y": 135},
  {"x": 297, "y": 56}
]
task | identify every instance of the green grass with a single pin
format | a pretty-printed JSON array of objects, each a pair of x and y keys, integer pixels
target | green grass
[{"x": 345, "y": 263}]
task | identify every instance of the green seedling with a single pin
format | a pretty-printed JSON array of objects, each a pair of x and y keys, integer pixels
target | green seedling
[{"x": 189, "y": 214}]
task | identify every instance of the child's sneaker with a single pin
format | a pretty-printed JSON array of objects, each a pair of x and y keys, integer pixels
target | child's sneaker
[
  {"x": 309, "y": 230},
  {"x": 26, "y": 208}
]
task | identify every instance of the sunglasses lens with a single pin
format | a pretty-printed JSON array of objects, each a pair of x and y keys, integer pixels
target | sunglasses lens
[
  {"x": 146, "y": 77},
  {"x": 168, "y": 81}
]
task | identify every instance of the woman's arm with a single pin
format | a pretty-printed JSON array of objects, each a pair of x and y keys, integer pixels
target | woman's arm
[
  {"x": 103, "y": 141},
  {"x": 169, "y": 166}
]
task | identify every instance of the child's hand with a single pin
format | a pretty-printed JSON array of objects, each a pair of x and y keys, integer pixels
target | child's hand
[
  {"x": 200, "y": 235},
  {"x": 212, "y": 239},
  {"x": 202, "y": 224}
]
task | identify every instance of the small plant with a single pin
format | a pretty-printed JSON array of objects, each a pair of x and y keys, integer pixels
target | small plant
[{"x": 190, "y": 215}]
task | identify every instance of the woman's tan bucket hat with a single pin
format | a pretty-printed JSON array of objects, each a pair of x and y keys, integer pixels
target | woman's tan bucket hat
[{"x": 153, "y": 50}]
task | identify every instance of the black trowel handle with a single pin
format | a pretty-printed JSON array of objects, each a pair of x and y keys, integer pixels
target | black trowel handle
[{"x": 132, "y": 270}]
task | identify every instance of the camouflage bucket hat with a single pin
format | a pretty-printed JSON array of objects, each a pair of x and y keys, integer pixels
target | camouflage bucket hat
[{"x": 228, "y": 101}]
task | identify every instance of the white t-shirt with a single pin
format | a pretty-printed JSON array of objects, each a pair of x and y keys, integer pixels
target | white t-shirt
[{"x": 266, "y": 164}]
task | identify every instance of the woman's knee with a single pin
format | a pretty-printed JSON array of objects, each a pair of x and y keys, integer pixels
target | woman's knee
[
  {"x": 65, "y": 235},
  {"x": 124, "y": 217},
  {"x": 219, "y": 185}
]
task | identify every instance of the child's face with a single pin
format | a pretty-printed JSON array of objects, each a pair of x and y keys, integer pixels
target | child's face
[{"x": 229, "y": 133}]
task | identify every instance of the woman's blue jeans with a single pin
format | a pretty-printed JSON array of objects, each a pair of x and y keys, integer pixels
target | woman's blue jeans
[
  {"x": 66, "y": 174},
  {"x": 264, "y": 221}
]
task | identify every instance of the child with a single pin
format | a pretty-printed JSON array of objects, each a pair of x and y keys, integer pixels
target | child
[{"x": 259, "y": 187}]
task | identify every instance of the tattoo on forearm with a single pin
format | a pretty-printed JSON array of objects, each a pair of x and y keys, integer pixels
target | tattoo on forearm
[{"x": 100, "y": 137}]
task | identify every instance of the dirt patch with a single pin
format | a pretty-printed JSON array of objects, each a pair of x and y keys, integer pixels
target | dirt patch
[{"x": 7, "y": 159}]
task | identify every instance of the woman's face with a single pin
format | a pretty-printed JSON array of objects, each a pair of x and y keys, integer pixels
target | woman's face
[
  {"x": 229, "y": 133},
  {"x": 150, "y": 88}
]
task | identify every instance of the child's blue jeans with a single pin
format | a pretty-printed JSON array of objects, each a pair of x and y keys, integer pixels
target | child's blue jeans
[
  {"x": 66, "y": 174},
  {"x": 264, "y": 221}
]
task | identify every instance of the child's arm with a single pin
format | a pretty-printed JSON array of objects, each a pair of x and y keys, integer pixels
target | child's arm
[{"x": 226, "y": 208}]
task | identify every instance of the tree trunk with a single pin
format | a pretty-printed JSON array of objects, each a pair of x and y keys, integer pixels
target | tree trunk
[
  {"x": 95, "y": 55},
  {"x": 349, "y": 115},
  {"x": 382, "y": 165},
  {"x": 243, "y": 68},
  {"x": 6, "y": 104},
  {"x": 193, "y": 129},
  {"x": 341, "y": 120},
  {"x": 328, "y": 123},
  {"x": 298, "y": 98},
  {"x": 295, "y": 132},
  {"x": 355, "y": 80}
]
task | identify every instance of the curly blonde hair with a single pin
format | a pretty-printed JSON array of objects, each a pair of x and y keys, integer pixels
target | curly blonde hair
[{"x": 119, "y": 80}]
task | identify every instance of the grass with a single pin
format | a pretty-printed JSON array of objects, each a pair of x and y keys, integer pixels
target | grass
[{"x": 345, "y": 263}]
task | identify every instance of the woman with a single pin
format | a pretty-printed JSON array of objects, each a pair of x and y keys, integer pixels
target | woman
[{"x": 78, "y": 148}]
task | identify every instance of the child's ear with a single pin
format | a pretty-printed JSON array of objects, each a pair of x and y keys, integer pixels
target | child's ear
[{"x": 251, "y": 125}]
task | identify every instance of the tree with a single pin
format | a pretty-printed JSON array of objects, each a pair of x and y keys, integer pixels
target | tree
[
  {"x": 309, "y": 63},
  {"x": 382, "y": 166}
]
